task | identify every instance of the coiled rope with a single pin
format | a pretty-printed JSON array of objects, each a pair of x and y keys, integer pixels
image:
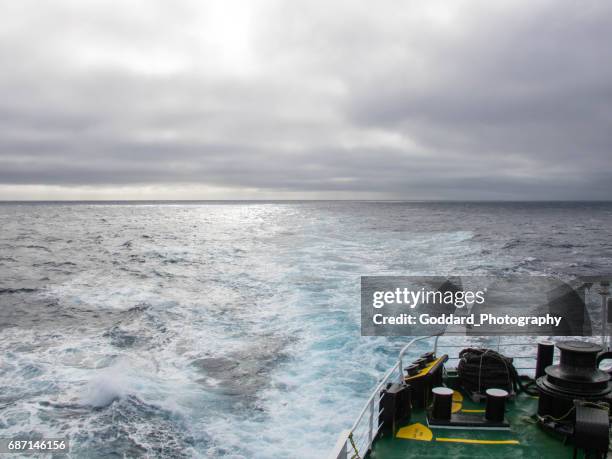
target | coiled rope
[{"x": 482, "y": 369}]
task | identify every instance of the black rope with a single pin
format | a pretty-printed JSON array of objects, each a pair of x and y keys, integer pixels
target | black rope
[{"x": 482, "y": 369}]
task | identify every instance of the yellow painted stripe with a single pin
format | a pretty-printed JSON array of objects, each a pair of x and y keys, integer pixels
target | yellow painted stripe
[
  {"x": 473, "y": 411},
  {"x": 478, "y": 442}
]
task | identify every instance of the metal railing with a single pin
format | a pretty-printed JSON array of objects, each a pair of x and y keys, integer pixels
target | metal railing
[
  {"x": 359, "y": 439},
  {"x": 523, "y": 353}
]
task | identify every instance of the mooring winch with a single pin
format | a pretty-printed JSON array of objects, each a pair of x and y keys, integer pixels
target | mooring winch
[
  {"x": 575, "y": 396},
  {"x": 577, "y": 377}
]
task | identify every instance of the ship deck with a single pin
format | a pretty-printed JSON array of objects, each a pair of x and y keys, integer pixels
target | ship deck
[{"x": 525, "y": 439}]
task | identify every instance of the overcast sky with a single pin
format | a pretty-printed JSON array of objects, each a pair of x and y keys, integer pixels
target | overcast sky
[{"x": 305, "y": 99}]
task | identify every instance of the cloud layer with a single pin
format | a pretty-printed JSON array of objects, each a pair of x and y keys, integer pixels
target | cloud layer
[{"x": 267, "y": 99}]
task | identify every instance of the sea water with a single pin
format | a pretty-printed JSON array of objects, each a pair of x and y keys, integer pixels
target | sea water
[{"x": 202, "y": 329}]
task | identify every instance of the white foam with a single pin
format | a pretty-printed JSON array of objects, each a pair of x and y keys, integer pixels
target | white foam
[
  {"x": 106, "y": 386},
  {"x": 289, "y": 300}
]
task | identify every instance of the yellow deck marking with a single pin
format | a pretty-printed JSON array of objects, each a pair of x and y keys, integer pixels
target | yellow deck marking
[
  {"x": 457, "y": 401},
  {"x": 473, "y": 411},
  {"x": 415, "y": 431},
  {"x": 424, "y": 371},
  {"x": 478, "y": 442}
]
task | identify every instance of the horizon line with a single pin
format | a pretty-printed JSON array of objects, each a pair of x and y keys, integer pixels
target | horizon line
[{"x": 18, "y": 201}]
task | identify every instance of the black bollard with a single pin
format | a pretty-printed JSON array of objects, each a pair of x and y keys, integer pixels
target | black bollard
[
  {"x": 442, "y": 403},
  {"x": 411, "y": 370},
  {"x": 429, "y": 357},
  {"x": 496, "y": 405}
]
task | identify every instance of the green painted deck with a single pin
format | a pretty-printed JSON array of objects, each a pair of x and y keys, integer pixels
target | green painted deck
[{"x": 533, "y": 441}]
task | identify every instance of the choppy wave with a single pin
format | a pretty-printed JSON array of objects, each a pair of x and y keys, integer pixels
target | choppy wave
[{"x": 233, "y": 330}]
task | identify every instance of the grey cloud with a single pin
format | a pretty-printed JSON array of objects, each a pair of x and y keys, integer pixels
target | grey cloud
[{"x": 467, "y": 100}]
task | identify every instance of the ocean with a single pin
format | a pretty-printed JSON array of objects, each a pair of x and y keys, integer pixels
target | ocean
[{"x": 231, "y": 329}]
